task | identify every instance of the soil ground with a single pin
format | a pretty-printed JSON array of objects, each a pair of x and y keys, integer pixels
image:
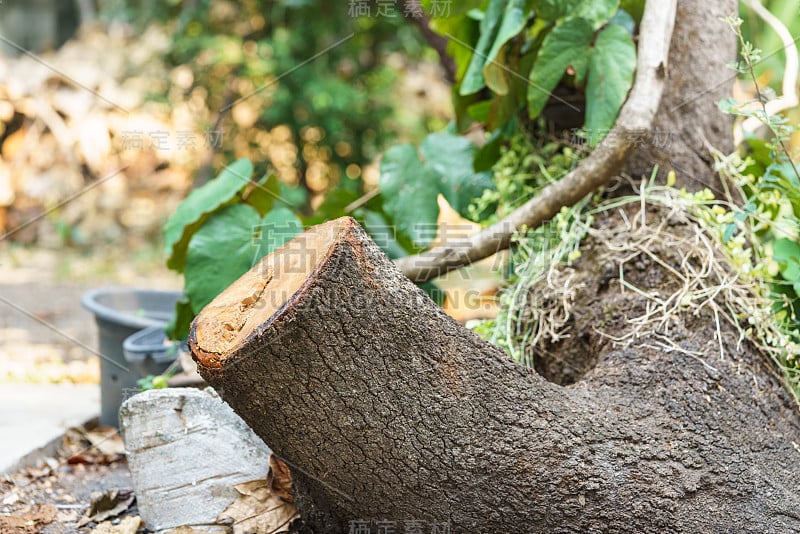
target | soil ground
[{"x": 46, "y": 337}]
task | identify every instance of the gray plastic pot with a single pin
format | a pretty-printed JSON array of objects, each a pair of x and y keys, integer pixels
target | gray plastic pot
[
  {"x": 121, "y": 312},
  {"x": 150, "y": 349}
]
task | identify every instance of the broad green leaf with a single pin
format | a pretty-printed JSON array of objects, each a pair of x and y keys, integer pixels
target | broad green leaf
[
  {"x": 505, "y": 107},
  {"x": 785, "y": 250},
  {"x": 433, "y": 291},
  {"x": 623, "y": 18},
  {"x": 473, "y": 78},
  {"x": 635, "y": 8},
  {"x": 263, "y": 194},
  {"x": 480, "y": 111},
  {"x": 451, "y": 157},
  {"x": 495, "y": 70},
  {"x": 333, "y": 206},
  {"x": 410, "y": 189},
  {"x": 374, "y": 215},
  {"x": 438, "y": 10},
  {"x": 293, "y": 196},
  {"x": 410, "y": 185},
  {"x": 459, "y": 30},
  {"x": 598, "y": 12},
  {"x": 178, "y": 327},
  {"x": 195, "y": 209},
  {"x": 220, "y": 252},
  {"x": 276, "y": 228},
  {"x": 487, "y": 155},
  {"x": 581, "y": 66},
  {"x": 610, "y": 77},
  {"x": 555, "y": 9},
  {"x": 382, "y": 232},
  {"x": 568, "y": 43}
]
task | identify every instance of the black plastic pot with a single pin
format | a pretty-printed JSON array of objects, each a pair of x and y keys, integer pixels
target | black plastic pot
[{"x": 120, "y": 313}]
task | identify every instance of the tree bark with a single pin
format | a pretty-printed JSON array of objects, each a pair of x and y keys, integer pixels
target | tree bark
[
  {"x": 387, "y": 409},
  {"x": 688, "y": 119}
]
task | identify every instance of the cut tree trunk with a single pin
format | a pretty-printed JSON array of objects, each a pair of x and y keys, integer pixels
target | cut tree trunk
[{"x": 387, "y": 409}]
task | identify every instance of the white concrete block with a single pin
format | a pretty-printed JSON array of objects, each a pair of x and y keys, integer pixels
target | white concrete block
[{"x": 186, "y": 450}]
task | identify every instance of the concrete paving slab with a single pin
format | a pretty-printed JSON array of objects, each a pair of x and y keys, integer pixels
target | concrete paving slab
[{"x": 34, "y": 416}]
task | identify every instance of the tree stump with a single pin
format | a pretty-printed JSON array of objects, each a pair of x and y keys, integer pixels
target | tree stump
[{"x": 386, "y": 409}]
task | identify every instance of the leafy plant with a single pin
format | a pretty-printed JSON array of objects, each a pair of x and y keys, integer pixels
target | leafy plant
[
  {"x": 770, "y": 182},
  {"x": 510, "y": 56},
  {"x": 221, "y": 230},
  {"x": 152, "y": 382}
]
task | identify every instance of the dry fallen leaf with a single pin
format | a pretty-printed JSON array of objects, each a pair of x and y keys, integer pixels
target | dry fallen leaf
[
  {"x": 188, "y": 530},
  {"x": 107, "y": 504},
  {"x": 280, "y": 479},
  {"x": 258, "y": 510},
  {"x": 98, "y": 445},
  {"x": 106, "y": 439},
  {"x": 128, "y": 525},
  {"x": 29, "y": 520}
]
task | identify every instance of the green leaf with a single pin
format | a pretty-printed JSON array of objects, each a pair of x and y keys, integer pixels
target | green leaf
[
  {"x": 785, "y": 250},
  {"x": 178, "y": 327},
  {"x": 195, "y": 209},
  {"x": 276, "y": 228},
  {"x": 334, "y": 204},
  {"x": 410, "y": 189},
  {"x": 458, "y": 29},
  {"x": 451, "y": 157},
  {"x": 473, "y": 78},
  {"x": 623, "y": 18},
  {"x": 409, "y": 185},
  {"x": 263, "y": 194},
  {"x": 787, "y": 253},
  {"x": 487, "y": 155},
  {"x": 635, "y": 8},
  {"x": 480, "y": 111},
  {"x": 729, "y": 230},
  {"x": 598, "y": 12},
  {"x": 495, "y": 71},
  {"x": 221, "y": 251},
  {"x": 555, "y": 9},
  {"x": 568, "y": 43},
  {"x": 610, "y": 78},
  {"x": 293, "y": 196},
  {"x": 433, "y": 291},
  {"x": 382, "y": 232}
]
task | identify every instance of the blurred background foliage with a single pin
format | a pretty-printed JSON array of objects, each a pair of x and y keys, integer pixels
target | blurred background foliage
[{"x": 304, "y": 88}]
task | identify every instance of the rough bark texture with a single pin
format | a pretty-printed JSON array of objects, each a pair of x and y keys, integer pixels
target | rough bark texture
[
  {"x": 386, "y": 408},
  {"x": 688, "y": 116}
]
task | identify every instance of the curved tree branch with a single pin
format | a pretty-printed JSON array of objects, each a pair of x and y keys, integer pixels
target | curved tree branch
[{"x": 631, "y": 129}]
